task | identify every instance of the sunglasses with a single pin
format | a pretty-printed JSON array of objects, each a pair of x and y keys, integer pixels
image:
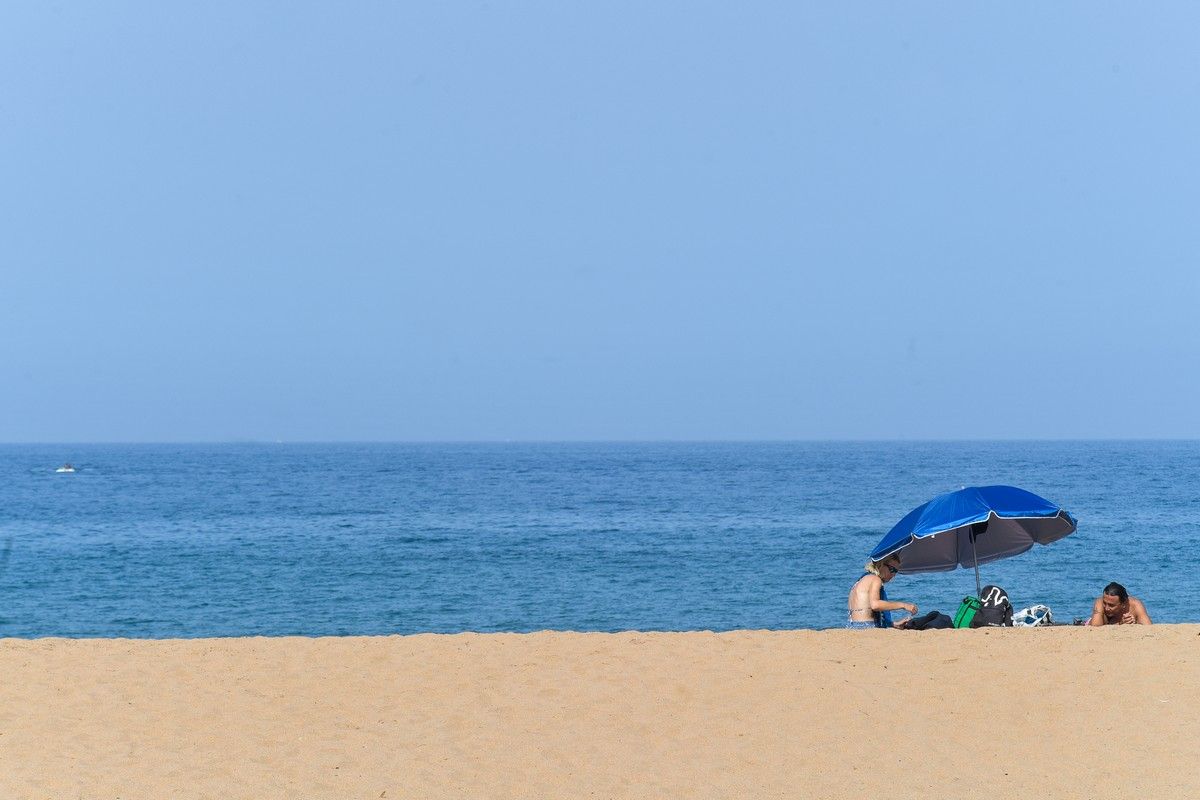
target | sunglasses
[{"x": 892, "y": 569}]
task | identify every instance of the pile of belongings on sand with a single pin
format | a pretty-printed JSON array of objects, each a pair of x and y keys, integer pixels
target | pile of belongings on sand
[{"x": 992, "y": 609}]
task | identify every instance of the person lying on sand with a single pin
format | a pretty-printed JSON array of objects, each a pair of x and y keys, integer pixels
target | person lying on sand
[
  {"x": 1116, "y": 607},
  {"x": 868, "y": 603}
]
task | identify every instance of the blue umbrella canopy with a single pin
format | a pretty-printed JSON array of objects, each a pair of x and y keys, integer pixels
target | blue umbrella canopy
[{"x": 973, "y": 526}]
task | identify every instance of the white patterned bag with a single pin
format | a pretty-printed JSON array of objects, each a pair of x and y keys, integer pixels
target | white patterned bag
[{"x": 1033, "y": 617}]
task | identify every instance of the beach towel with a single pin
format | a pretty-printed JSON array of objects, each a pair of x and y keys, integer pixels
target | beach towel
[{"x": 884, "y": 619}]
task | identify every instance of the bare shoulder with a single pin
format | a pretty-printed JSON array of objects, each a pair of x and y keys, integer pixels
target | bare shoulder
[
  {"x": 1136, "y": 605},
  {"x": 867, "y": 581}
]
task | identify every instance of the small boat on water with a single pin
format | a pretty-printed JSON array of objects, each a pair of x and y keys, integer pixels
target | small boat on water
[{"x": 65, "y": 468}]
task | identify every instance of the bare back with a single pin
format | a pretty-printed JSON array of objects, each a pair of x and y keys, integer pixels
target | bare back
[{"x": 863, "y": 594}]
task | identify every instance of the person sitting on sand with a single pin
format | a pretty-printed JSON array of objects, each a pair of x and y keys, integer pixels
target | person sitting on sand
[
  {"x": 1116, "y": 607},
  {"x": 868, "y": 603}
]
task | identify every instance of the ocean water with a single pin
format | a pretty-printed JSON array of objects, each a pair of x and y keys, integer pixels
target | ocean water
[{"x": 236, "y": 540}]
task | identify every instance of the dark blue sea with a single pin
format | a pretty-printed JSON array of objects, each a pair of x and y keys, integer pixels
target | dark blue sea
[{"x": 274, "y": 539}]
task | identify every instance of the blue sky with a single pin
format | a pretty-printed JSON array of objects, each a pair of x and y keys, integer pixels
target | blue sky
[{"x": 487, "y": 221}]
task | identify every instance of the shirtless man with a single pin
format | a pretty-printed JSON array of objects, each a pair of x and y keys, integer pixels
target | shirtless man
[
  {"x": 868, "y": 603},
  {"x": 1116, "y": 607}
]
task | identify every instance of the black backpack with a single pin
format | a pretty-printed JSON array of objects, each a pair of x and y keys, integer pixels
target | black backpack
[{"x": 997, "y": 611}]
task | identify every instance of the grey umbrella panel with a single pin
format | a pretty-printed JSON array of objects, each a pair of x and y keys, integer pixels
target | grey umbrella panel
[{"x": 1005, "y": 536}]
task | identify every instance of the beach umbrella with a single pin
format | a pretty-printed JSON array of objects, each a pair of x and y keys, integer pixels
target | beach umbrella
[{"x": 973, "y": 526}]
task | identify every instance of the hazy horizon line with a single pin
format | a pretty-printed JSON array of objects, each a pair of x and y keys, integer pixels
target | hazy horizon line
[{"x": 843, "y": 440}]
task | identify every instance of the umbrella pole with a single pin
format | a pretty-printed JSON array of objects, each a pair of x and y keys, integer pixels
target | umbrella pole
[{"x": 975, "y": 554}]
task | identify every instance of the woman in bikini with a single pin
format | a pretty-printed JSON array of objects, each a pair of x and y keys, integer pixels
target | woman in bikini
[{"x": 868, "y": 603}]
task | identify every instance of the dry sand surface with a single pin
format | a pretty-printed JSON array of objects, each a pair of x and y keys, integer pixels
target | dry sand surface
[{"x": 1053, "y": 712}]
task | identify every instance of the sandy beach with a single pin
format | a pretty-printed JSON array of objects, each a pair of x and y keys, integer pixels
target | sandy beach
[{"x": 1057, "y": 712}]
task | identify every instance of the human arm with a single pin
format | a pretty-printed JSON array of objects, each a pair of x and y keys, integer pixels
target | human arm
[
  {"x": 894, "y": 605},
  {"x": 1137, "y": 610},
  {"x": 879, "y": 604},
  {"x": 1097, "y": 613}
]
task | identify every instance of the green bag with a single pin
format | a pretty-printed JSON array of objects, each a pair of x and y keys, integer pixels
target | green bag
[{"x": 966, "y": 612}]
